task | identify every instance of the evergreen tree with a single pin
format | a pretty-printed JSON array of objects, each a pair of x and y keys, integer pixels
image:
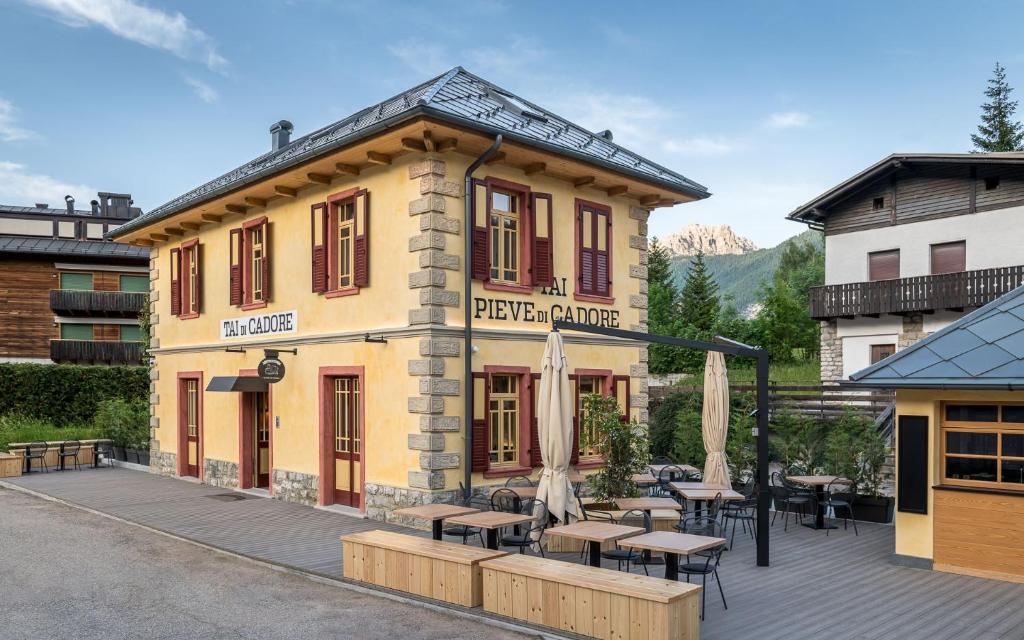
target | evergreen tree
[
  {"x": 698, "y": 301},
  {"x": 802, "y": 265},
  {"x": 662, "y": 308},
  {"x": 998, "y": 131}
]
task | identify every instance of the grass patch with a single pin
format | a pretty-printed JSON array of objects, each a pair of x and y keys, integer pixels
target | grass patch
[
  {"x": 21, "y": 429},
  {"x": 790, "y": 373}
]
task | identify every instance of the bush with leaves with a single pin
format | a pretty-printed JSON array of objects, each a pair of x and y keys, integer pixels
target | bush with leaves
[
  {"x": 126, "y": 422},
  {"x": 622, "y": 445},
  {"x": 66, "y": 394}
]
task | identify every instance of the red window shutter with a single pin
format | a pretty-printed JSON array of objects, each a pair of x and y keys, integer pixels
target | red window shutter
[
  {"x": 481, "y": 238},
  {"x": 361, "y": 245},
  {"x": 175, "y": 282},
  {"x": 620, "y": 391},
  {"x": 543, "y": 252},
  {"x": 585, "y": 268},
  {"x": 576, "y": 424},
  {"x": 318, "y": 233},
  {"x": 481, "y": 444},
  {"x": 266, "y": 262},
  {"x": 235, "y": 285},
  {"x": 536, "y": 460},
  {"x": 197, "y": 255}
]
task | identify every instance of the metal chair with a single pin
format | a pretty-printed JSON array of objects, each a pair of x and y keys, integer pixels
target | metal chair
[
  {"x": 523, "y": 539},
  {"x": 671, "y": 473},
  {"x": 794, "y": 496},
  {"x": 843, "y": 499},
  {"x": 519, "y": 481},
  {"x": 709, "y": 567},
  {"x": 105, "y": 449},
  {"x": 37, "y": 451},
  {"x": 743, "y": 511},
  {"x": 628, "y": 556},
  {"x": 505, "y": 500},
  {"x": 465, "y": 531},
  {"x": 69, "y": 449}
]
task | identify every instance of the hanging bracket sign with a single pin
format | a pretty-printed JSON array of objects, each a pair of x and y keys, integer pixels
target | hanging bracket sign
[{"x": 271, "y": 369}]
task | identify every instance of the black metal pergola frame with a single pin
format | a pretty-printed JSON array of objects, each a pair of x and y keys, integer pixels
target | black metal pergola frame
[{"x": 729, "y": 347}]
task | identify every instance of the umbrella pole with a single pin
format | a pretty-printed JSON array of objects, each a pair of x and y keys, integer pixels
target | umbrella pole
[{"x": 764, "y": 491}]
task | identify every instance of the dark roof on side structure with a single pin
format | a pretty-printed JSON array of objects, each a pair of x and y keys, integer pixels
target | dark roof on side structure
[
  {"x": 73, "y": 248},
  {"x": 982, "y": 350},
  {"x": 458, "y": 97},
  {"x": 811, "y": 212}
]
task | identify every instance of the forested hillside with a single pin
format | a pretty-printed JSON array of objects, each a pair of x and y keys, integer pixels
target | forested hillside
[{"x": 739, "y": 276}]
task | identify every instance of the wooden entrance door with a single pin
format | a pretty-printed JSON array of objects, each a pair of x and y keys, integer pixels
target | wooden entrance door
[
  {"x": 192, "y": 431},
  {"x": 347, "y": 438},
  {"x": 259, "y": 410}
]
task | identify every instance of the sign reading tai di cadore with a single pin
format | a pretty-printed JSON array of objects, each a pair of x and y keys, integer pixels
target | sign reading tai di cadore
[{"x": 267, "y": 324}]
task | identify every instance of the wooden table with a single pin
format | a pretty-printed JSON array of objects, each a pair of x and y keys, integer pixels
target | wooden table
[
  {"x": 644, "y": 479},
  {"x": 672, "y": 545},
  {"x": 436, "y": 513},
  {"x": 594, "y": 532},
  {"x": 491, "y": 521},
  {"x": 647, "y": 505},
  {"x": 818, "y": 482},
  {"x": 703, "y": 492}
]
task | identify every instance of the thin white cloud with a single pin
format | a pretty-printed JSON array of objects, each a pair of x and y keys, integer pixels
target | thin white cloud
[
  {"x": 18, "y": 186},
  {"x": 700, "y": 146},
  {"x": 633, "y": 120},
  {"x": 151, "y": 27},
  {"x": 205, "y": 92},
  {"x": 788, "y": 120},
  {"x": 9, "y": 129},
  {"x": 425, "y": 58},
  {"x": 515, "y": 58}
]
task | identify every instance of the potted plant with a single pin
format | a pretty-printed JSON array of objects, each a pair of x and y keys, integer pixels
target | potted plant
[
  {"x": 623, "y": 447},
  {"x": 856, "y": 450},
  {"x": 126, "y": 423}
]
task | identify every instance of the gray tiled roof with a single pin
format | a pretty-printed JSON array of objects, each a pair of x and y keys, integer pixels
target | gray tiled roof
[
  {"x": 46, "y": 211},
  {"x": 982, "y": 350},
  {"x": 458, "y": 97},
  {"x": 72, "y": 248}
]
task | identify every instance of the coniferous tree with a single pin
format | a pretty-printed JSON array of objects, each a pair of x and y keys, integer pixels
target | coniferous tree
[
  {"x": 998, "y": 130},
  {"x": 698, "y": 301},
  {"x": 662, "y": 308}
]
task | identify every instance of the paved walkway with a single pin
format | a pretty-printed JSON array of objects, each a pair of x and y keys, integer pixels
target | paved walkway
[{"x": 841, "y": 586}]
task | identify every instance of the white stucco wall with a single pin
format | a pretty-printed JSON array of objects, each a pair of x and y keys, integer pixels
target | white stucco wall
[
  {"x": 994, "y": 239},
  {"x": 859, "y": 334}
]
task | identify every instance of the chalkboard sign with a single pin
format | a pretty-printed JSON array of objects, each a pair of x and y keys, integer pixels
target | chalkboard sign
[{"x": 912, "y": 464}]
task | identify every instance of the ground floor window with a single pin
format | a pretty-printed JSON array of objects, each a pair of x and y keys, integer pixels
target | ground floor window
[
  {"x": 588, "y": 385},
  {"x": 983, "y": 445},
  {"x": 503, "y": 418}
]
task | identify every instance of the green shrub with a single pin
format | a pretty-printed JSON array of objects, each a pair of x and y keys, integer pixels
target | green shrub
[
  {"x": 622, "y": 445},
  {"x": 65, "y": 394},
  {"x": 126, "y": 422},
  {"x": 15, "y": 428}
]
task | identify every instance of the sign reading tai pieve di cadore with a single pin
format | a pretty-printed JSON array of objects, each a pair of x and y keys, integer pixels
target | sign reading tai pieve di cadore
[{"x": 267, "y": 324}]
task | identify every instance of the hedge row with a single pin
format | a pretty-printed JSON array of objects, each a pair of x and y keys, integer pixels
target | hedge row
[{"x": 66, "y": 393}]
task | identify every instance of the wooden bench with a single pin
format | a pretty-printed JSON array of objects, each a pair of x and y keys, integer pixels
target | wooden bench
[
  {"x": 429, "y": 568},
  {"x": 589, "y": 601},
  {"x": 11, "y": 465},
  {"x": 85, "y": 454}
]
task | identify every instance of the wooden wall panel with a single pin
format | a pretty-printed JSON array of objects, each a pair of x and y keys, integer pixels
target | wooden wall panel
[
  {"x": 26, "y": 321},
  {"x": 1010, "y": 191},
  {"x": 979, "y": 534},
  {"x": 857, "y": 212}
]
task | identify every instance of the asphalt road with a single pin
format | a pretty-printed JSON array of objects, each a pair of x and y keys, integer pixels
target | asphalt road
[{"x": 67, "y": 573}]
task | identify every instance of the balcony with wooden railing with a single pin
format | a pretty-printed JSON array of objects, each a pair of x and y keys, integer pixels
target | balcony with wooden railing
[
  {"x": 919, "y": 294},
  {"x": 107, "y": 304},
  {"x": 96, "y": 351}
]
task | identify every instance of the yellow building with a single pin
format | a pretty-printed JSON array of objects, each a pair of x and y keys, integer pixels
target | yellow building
[
  {"x": 343, "y": 252},
  {"x": 960, "y": 443}
]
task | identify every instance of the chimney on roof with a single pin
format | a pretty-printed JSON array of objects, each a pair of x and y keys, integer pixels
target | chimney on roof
[
  {"x": 70, "y": 204},
  {"x": 606, "y": 134},
  {"x": 280, "y": 134},
  {"x": 94, "y": 205},
  {"x": 42, "y": 205}
]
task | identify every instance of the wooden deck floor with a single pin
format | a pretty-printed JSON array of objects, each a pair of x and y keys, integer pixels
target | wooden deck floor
[{"x": 841, "y": 587}]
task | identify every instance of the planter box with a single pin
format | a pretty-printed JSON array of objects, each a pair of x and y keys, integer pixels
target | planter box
[
  {"x": 11, "y": 465},
  {"x": 872, "y": 509},
  {"x": 120, "y": 454},
  {"x": 144, "y": 457}
]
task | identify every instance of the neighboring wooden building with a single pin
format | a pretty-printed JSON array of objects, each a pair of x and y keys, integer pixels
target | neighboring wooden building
[
  {"x": 67, "y": 295},
  {"x": 911, "y": 243},
  {"x": 960, "y": 443},
  {"x": 347, "y": 246}
]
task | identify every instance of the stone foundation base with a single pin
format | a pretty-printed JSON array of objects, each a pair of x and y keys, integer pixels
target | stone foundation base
[
  {"x": 382, "y": 500},
  {"x": 163, "y": 464},
  {"x": 220, "y": 473},
  {"x": 292, "y": 486}
]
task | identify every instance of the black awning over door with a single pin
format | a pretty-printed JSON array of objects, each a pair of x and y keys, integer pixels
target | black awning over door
[{"x": 237, "y": 383}]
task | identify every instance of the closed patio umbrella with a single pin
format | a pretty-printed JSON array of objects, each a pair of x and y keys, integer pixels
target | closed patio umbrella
[
  {"x": 715, "y": 419},
  {"x": 554, "y": 430}
]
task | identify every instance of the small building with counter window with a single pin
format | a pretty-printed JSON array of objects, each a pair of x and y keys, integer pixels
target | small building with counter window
[
  {"x": 960, "y": 443},
  {"x": 338, "y": 259}
]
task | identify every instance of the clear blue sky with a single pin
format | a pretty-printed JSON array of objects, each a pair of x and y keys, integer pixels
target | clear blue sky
[{"x": 766, "y": 103}]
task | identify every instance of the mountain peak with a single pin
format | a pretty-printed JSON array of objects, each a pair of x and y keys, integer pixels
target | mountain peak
[{"x": 712, "y": 239}]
